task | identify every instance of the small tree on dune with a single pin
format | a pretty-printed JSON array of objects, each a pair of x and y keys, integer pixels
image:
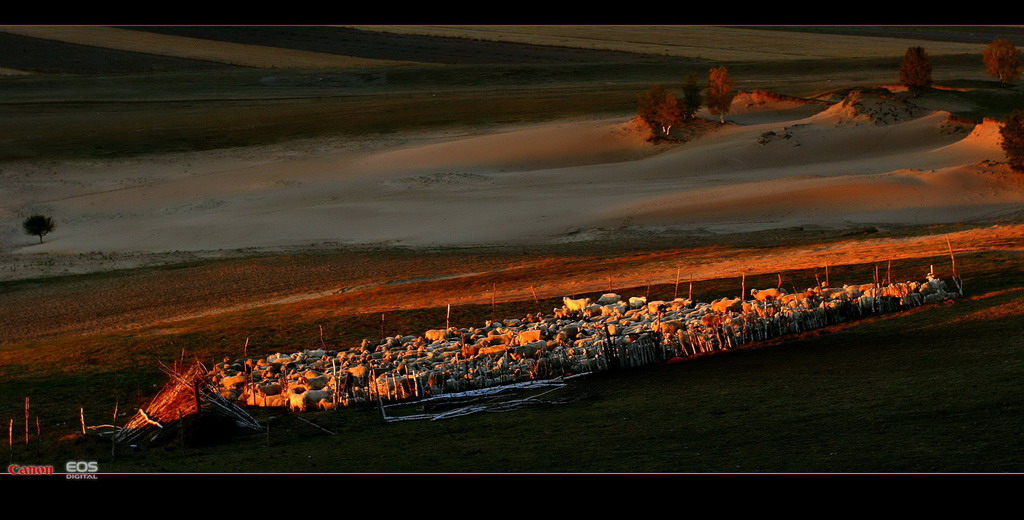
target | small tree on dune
[
  {"x": 660, "y": 110},
  {"x": 720, "y": 92},
  {"x": 916, "y": 71},
  {"x": 1012, "y": 132},
  {"x": 1002, "y": 61},
  {"x": 38, "y": 225},
  {"x": 692, "y": 99}
]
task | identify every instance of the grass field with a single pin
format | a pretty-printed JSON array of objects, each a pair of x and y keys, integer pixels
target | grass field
[
  {"x": 933, "y": 390},
  {"x": 936, "y": 389}
]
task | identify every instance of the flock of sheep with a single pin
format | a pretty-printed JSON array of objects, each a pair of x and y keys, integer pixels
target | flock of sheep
[{"x": 581, "y": 336}]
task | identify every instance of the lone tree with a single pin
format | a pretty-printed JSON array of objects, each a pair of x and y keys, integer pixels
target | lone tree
[
  {"x": 692, "y": 99},
  {"x": 1002, "y": 61},
  {"x": 916, "y": 71},
  {"x": 660, "y": 110},
  {"x": 38, "y": 225},
  {"x": 1012, "y": 132},
  {"x": 720, "y": 92}
]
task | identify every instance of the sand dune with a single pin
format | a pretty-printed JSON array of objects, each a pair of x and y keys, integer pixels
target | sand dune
[{"x": 866, "y": 161}]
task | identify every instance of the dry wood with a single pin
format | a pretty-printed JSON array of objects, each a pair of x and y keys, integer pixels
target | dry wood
[
  {"x": 81, "y": 418},
  {"x": 26, "y": 420}
]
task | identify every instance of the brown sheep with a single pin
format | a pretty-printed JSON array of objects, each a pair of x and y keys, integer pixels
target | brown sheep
[
  {"x": 763, "y": 295},
  {"x": 724, "y": 305}
]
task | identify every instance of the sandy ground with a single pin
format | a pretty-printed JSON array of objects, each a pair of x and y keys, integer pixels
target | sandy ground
[{"x": 865, "y": 160}]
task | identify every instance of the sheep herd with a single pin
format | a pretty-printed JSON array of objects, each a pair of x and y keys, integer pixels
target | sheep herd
[{"x": 581, "y": 336}]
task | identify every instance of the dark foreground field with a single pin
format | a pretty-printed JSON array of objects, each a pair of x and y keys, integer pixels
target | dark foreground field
[{"x": 932, "y": 390}]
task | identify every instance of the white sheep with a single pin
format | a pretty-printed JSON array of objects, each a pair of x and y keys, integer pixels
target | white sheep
[{"x": 575, "y": 305}]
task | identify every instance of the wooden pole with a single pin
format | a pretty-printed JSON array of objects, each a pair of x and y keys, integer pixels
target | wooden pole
[
  {"x": 609, "y": 284},
  {"x": 690, "y": 297},
  {"x": 114, "y": 420},
  {"x": 827, "y": 283},
  {"x": 268, "y": 426},
  {"x": 675, "y": 295},
  {"x": 10, "y": 438},
  {"x": 780, "y": 281},
  {"x": 81, "y": 418},
  {"x": 448, "y": 319},
  {"x": 26, "y": 420},
  {"x": 648, "y": 295},
  {"x": 324, "y": 345},
  {"x": 888, "y": 273},
  {"x": 382, "y": 326},
  {"x": 952, "y": 258},
  {"x": 743, "y": 286},
  {"x": 245, "y": 348},
  {"x": 535, "y": 299},
  {"x": 181, "y": 425},
  {"x": 494, "y": 294}
]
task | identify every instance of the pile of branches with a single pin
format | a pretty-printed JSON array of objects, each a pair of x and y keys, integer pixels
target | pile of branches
[{"x": 186, "y": 396}]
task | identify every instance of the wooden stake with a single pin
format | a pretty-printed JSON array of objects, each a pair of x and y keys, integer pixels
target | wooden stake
[
  {"x": 245, "y": 349},
  {"x": 39, "y": 429},
  {"x": 494, "y": 293},
  {"x": 648, "y": 295},
  {"x": 827, "y": 283},
  {"x": 690, "y": 297},
  {"x": 10, "y": 438},
  {"x": 114, "y": 421},
  {"x": 26, "y": 421},
  {"x": 382, "y": 326},
  {"x": 181, "y": 425},
  {"x": 448, "y": 319},
  {"x": 888, "y": 273},
  {"x": 535, "y": 299},
  {"x": 199, "y": 404},
  {"x": 81, "y": 418},
  {"x": 952, "y": 258},
  {"x": 609, "y": 284},
  {"x": 743, "y": 286},
  {"x": 780, "y": 281},
  {"x": 675, "y": 295},
  {"x": 322, "y": 337}
]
